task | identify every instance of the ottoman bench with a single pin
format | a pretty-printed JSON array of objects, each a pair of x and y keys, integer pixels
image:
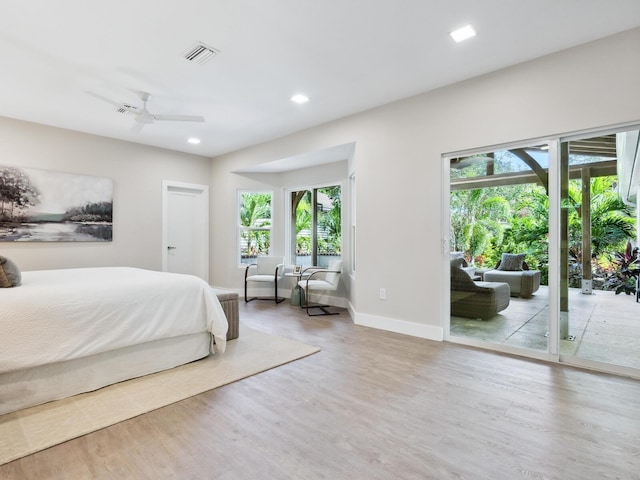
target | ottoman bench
[{"x": 229, "y": 302}]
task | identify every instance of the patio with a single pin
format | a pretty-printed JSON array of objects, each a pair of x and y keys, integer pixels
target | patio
[{"x": 606, "y": 326}]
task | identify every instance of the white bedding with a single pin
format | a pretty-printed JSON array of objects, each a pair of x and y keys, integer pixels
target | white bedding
[{"x": 59, "y": 315}]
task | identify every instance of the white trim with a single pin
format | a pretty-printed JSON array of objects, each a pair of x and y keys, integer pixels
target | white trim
[
  {"x": 597, "y": 132},
  {"x": 552, "y": 346},
  {"x": 445, "y": 279},
  {"x": 352, "y": 231},
  {"x": 500, "y": 146},
  {"x": 203, "y": 190},
  {"x": 502, "y": 348},
  {"x": 562, "y": 137},
  {"x": 345, "y": 235},
  {"x": 600, "y": 367},
  {"x": 239, "y": 227},
  {"x": 413, "y": 329},
  {"x": 553, "y": 247}
]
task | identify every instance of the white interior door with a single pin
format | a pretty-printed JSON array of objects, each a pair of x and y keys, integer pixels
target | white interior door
[{"x": 186, "y": 229}]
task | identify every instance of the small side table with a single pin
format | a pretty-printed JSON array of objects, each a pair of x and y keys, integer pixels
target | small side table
[
  {"x": 480, "y": 273},
  {"x": 297, "y": 292}
]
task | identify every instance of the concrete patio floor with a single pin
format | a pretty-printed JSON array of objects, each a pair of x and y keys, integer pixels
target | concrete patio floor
[{"x": 606, "y": 326}]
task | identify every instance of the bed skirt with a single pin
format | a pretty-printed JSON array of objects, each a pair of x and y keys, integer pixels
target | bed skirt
[{"x": 26, "y": 388}]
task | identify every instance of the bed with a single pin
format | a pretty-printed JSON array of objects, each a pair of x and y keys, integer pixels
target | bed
[{"x": 64, "y": 332}]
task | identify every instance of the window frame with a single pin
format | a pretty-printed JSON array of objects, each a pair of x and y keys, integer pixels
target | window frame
[
  {"x": 290, "y": 258},
  {"x": 241, "y": 228}
]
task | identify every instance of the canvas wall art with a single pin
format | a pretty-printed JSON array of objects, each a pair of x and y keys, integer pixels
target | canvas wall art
[{"x": 45, "y": 206}]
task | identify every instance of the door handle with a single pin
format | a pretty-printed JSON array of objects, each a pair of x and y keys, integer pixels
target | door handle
[{"x": 171, "y": 248}]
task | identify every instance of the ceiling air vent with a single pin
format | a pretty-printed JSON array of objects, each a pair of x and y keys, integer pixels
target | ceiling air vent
[{"x": 200, "y": 53}]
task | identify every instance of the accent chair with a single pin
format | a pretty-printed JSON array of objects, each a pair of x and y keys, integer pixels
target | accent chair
[
  {"x": 320, "y": 279},
  {"x": 268, "y": 270}
]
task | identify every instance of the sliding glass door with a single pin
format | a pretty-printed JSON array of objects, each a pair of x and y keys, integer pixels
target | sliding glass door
[
  {"x": 543, "y": 250},
  {"x": 599, "y": 304},
  {"x": 499, "y": 248}
]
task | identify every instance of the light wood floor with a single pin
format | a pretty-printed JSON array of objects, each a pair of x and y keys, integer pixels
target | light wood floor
[{"x": 371, "y": 405}]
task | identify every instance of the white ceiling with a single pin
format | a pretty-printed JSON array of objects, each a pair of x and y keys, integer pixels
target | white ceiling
[{"x": 346, "y": 55}]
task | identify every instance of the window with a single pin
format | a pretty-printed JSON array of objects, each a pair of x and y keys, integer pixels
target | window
[
  {"x": 316, "y": 225},
  {"x": 254, "y": 217}
]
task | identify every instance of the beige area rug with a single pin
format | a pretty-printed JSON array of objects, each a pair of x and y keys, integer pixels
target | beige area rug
[{"x": 33, "y": 429}]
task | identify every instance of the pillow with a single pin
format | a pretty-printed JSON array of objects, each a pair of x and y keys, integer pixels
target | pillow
[
  {"x": 512, "y": 262},
  {"x": 10, "y": 275}
]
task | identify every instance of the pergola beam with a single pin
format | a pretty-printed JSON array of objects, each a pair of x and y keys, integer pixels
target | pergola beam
[
  {"x": 598, "y": 169},
  {"x": 535, "y": 167}
]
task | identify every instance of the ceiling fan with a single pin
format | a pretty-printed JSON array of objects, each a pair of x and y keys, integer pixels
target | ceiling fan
[{"x": 142, "y": 115}]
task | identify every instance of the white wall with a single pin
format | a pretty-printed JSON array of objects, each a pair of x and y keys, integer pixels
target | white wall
[
  {"x": 137, "y": 172},
  {"x": 398, "y": 166}
]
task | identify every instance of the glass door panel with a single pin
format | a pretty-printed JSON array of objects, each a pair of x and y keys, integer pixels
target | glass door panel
[
  {"x": 599, "y": 307},
  {"x": 499, "y": 226},
  {"x": 316, "y": 226}
]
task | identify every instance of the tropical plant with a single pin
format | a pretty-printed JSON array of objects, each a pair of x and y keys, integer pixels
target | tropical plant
[
  {"x": 625, "y": 278},
  {"x": 330, "y": 222},
  {"x": 479, "y": 217},
  {"x": 255, "y": 213},
  {"x": 612, "y": 224},
  {"x": 303, "y": 225},
  {"x": 612, "y": 221}
]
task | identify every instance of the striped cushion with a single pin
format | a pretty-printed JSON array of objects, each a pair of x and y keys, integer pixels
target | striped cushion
[{"x": 512, "y": 262}]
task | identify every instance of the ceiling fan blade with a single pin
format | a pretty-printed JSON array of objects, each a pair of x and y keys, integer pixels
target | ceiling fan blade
[
  {"x": 179, "y": 118},
  {"x": 104, "y": 99}
]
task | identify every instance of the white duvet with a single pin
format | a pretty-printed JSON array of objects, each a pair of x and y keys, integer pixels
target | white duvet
[{"x": 57, "y": 315}]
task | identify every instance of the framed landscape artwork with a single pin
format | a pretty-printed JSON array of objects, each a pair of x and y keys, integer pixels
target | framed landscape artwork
[{"x": 45, "y": 206}]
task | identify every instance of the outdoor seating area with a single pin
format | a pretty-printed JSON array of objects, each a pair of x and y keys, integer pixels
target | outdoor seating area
[
  {"x": 583, "y": 230},
  {"x": 605, "y": 327},
  {"x": 522, "y": 283}
]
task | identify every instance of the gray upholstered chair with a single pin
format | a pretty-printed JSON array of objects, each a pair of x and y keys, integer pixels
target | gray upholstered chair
[
  {"x": 476, "y": 299},
  {"x": 268, "y": 270},
  {"x": 317, "y": 279},
  {"x": 522, "y": 281}
]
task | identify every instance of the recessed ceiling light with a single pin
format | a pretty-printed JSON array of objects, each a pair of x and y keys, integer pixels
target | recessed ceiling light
[
  {"x": 299, "y": 98},
  {"x": 194, "y": 141},
  {"x": 463, "y": 33}
]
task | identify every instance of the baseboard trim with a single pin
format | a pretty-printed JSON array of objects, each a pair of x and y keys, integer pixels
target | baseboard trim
[
  {"x": 317, "y": 297},
  {"x": 413, "y": 329},
  {"x": 404, "y": 327}
]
